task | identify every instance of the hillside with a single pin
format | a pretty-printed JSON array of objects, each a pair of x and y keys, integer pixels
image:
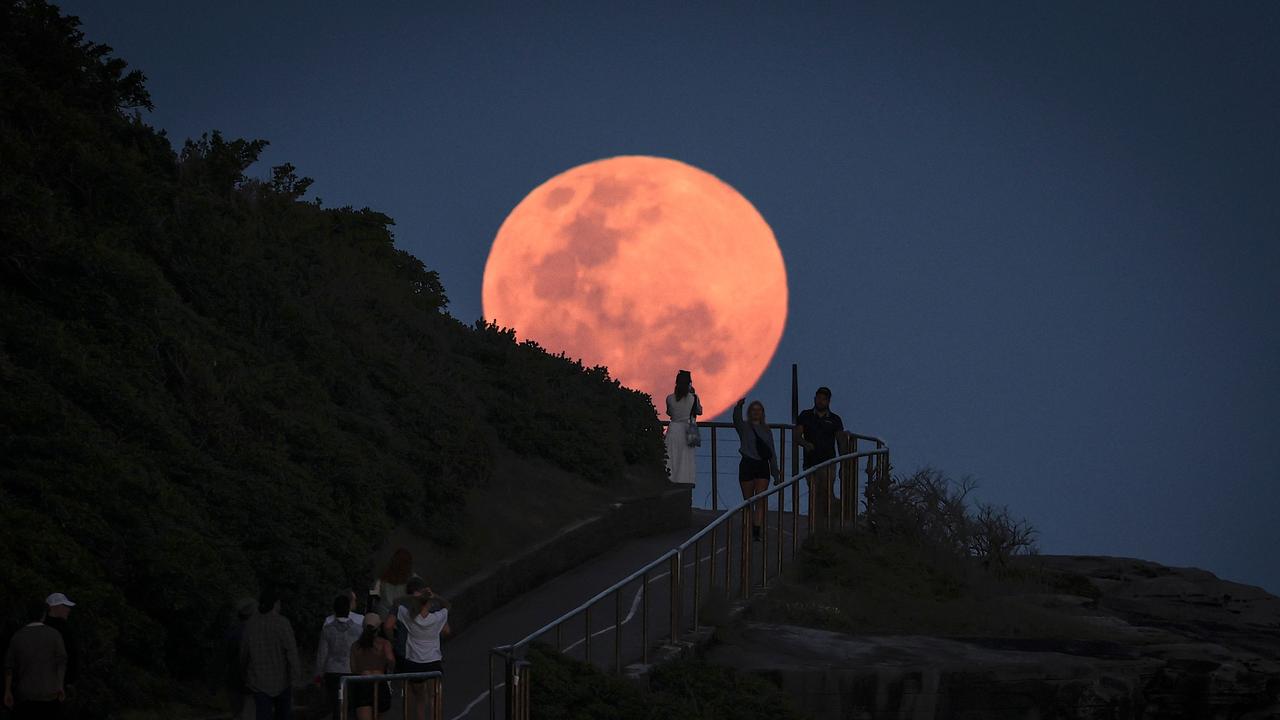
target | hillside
[{"x": 208, "y": 384}]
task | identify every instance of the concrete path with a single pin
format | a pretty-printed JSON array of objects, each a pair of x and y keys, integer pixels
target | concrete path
[{"x": 467, "y": 655}]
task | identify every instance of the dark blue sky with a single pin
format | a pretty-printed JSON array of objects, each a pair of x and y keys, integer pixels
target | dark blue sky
[{"x": 1034, "y": 243}]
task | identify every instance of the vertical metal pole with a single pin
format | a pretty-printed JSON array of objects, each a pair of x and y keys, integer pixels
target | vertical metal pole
[
  {"x": 435, "y": 699},
  {"x": 405, "y": 686},
  {"x": 617, "y": 631},
  {"x": 492, "y": 708},
  {"x": 711, "y": 561},
  {"x": 559, "y": 637},
  {"x": 715, "y": 474},
  {"x": 746, "y": 552},
  {"x": 795, "y": 392},
  {"x": 342, "y": 698},
  {"x": 782, "y": 501},
  {"x": 697, "y": 580},
  {"x": 586, "y": 638},
  {"x": 728, "y": 557},
  {"x": 795, "y": 516},
  {"x": 519, "y": 683},
  {"x": 675, "y": 598},
  {"x": 828, "y": 485},
  {"x": 644, "y": 618}
]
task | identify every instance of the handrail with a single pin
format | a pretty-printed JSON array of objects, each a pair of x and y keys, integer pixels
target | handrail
[
  {"x": 595, "y": 599},
  {"x": 434, "y": 696},
  {"x": 821, "y": 490},
  {"x": 777, "y": 487},
  {"x": 726, "y": 515}
]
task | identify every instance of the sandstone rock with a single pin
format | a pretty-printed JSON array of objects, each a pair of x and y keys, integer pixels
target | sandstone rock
[{"x": 1184, "y": 644}]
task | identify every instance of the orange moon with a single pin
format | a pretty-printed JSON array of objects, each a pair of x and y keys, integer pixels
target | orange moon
[{"x": 647, "y": 266}]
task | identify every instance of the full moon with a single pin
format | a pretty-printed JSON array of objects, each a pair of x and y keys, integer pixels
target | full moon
[{"x": 647, "y": 266}]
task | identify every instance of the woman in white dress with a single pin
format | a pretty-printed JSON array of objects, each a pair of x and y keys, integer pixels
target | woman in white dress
[{"x": 683, "y": 408}]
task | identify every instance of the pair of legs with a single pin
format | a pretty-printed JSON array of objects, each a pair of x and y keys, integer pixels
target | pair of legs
[
  {"x": 363, "y": 700},
  {"x": 753, "y": 478},
  {"x": 822, "y": 497},
  {"x": 418, "y": 688},
  {"x": 273, "y": 707}
]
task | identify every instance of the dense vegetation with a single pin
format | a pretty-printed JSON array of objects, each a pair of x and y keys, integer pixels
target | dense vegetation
[
  {"x": 568, "y": 689},
  {"x": 208, "y": 384},
  {"x": 923, "y": 561}
]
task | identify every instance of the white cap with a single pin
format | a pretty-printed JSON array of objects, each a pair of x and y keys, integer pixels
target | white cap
[{"x": 57, "y": 599}]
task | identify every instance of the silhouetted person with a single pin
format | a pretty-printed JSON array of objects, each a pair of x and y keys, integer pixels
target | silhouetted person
[
  {"x": 56, "y": 615},
  {"x": 399, "y": 632},
  {"x": 234, "y": 678},
  {"x": 683, "y": 408},
  {"x": 269, "y": 653},
  {"x": 759, "y": 460},
  {"x": 355, "y": 616},
  {"x": 817, "y": 431},
  {"x": 35, "y": 667},
  {"x": 333, "y": 655},
  {"x": 371, "y": 655},
  {"x": 425, "y": 621},
  {"x": 390, "y": 585}
]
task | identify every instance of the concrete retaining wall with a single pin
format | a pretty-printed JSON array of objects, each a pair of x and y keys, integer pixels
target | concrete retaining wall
[{"x": 626, "y": 519}]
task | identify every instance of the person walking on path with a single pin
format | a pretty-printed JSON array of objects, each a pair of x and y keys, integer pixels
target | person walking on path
[
  {"x": 355, "y": 616},
  {"x": 234, "y": 678},
  {"x": 759, "y": 459},
  {"x": 269, "y": 654},
  {"x": 57, "y": 612},
  {"x": 333, "y": 655},
  {"x": 371, "y": 655},
  {"x": 818, "y": 430},
  {"x": 390, "y": 585},
  {"x": 683, "y": 408},
  {"x": 35, "y": 668},
  {"x": 425, "y": 622}
]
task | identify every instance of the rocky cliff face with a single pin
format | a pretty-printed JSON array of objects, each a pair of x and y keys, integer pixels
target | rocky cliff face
[{"x": 1178, "y": 643}]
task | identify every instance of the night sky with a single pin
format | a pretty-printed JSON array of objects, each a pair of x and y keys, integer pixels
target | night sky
[{"x": 1038, "y": 245}]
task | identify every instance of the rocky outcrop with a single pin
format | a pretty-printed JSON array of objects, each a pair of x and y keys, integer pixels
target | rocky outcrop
[{"x": 1178, "y": 643}]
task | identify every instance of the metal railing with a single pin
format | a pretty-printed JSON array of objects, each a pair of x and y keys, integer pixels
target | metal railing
[
  {"x": 672, "y": 566},
  {"x": 433, "y": 687}
]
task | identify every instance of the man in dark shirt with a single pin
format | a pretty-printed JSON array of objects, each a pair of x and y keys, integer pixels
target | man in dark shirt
[
  {"x": 817, "y": 431},
  {"x": 35, "y": 666}
]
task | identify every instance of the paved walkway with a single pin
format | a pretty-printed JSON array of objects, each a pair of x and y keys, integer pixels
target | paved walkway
[{"x": 467, "y": 654}]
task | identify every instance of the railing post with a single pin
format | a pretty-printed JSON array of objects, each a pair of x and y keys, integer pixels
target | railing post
[
  {"x": 519, "y": 684},
  {"x": 342, "y": 697},
  {"x": 782, "y": 502},
  {"x": 747, "y": 518},
  {"x": 795, "y": 517},
  {"x": 509, "y": 673},
  {"x": 435, "y": 698},
  {"x": 697, "y": 580},
  {"x": 617, "y": 631},
  {"x": 644, "y": 618},
  {"x": 586, "y": 638},
  {"x": 404, "y": 694},
  {"x": 715, "y": 474},
  {"x": 728, "y": 558},
  {"x": 675, "y": 598}
]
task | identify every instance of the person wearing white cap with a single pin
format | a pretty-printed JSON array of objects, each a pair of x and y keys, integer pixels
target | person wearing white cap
[
  {"x": 34, "y": 668},
  {"x": 57, "y": 611}
]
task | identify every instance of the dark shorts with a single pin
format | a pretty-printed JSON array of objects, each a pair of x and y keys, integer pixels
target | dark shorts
[
  {"x": 750, "y": 469},
  {"x": 409, "y": 666},
  {"x": 362, "y": 695}
]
